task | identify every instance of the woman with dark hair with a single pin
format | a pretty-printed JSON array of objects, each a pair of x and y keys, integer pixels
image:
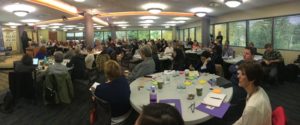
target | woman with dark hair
[
  {"x": 159, "y": 114},
  {"x": 25, "y": 40},
  {"x": 258, "y": 108},
  {"x": 25, "y": 65},
  {"x": 205, "y": 65}
]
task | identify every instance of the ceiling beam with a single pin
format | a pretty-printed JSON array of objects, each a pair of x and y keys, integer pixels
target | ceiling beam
[{"x": 60, "y": 20}]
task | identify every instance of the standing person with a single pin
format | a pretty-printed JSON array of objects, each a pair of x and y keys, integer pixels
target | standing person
[
  {"x": 25, "y": 41},
  {"x": 258, "y": 108},
  {"x": 219, "y": 37}
]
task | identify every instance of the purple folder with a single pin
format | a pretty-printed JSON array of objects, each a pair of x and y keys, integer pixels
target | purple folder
[
  {"x": 216, "y": 111},
  {"x": 174, "y": 101}
]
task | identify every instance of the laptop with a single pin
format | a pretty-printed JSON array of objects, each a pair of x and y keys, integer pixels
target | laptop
[{"x": 35, "y": 61}]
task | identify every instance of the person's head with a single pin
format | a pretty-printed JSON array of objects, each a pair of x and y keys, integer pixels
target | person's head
[
  {"x": 100, "y": 60},
  {"x": 159, "y": 114},
  {"x": 89, "y": 49},
  {"x": 250, "y": 73},
  {"x": 58, "y": 56},
  {"x": 268, "y": 47},
  {"x": 226, "y": 45},
  {"x": 248, "y": 54},
  {"x": 77, "y": 51},
  {"x": 205, "y": 55},
  {"x": 43, "y": 50},
  {"x": 112, "y": 70},
  {"x": 251, "y": 44},
  {"x": 26, "y": 60},
  {"x": 219, "y": 33},
  {"x": 145, "y": 51}
]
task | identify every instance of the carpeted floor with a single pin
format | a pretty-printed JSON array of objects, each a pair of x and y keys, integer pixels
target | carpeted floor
[{"x": 7, "y": 63}]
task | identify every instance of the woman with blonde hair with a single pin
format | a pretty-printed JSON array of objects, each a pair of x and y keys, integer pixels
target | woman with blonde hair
[{"x": 100, "y": 61}]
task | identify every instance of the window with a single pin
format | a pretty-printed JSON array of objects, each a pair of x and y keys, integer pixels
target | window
[
  {"x": 167, "y": 35},
  {"x": 287, "y": 30},
  {"x": 79, "y": 35},
  {"x": 106, "y": 35},
  {"x": 70, "y": 36},
  {"x": 132, "y": 35},
  {"x": 144, "y": 34},
  {"x": 260, "y": 32},
  {"x": 121, "y": 35},
  {"x": 237, "y": 33},
  {"x": 98, "y": 36},
  {"x": 181, "y": 35},
  {"x": 223, "y": 29},
  {"x": 155, "y": 34},
  {"x": 186, "y": 34},
  {"x": 199, "y": 34},
  {"x": 211, "y": 28},
  {"x": 192, "y": 33}
]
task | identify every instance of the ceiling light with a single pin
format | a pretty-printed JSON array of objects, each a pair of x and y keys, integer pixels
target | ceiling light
[
  {"x": 167, "y": 26},
  {"x": 120, "y": 22},
  {"x": 154, "y": 10},
  {"x": 79, "y": 0},
  {"x": 124, "y": 27},
  {"x": 98, "y": 28},
  {"x": 80, "y": 29},
  {"x": 56, "y": 24},
  {"x": 145, "y": 24},
  {"x": 30, "y": 21},
  {"x": 200, "y": 14},
  {"x": 43, "y": 28},
  {"x": 182, "y": 18},
  {"x": 72, "y": 26},
  {"x": 233, "y": 3},
  {"x": 42, "y": 25},
  {"x": 13, "y": 27},
  {"x": 147, "y": 21},
  {"x": 181, "y": 21},
  {"x": 54, "y": 27},
  {"x": 172, "y": 22},
  {"x": 149, "y": 17},
  {"x": 201, "y": 9},
  {"x": 65, "y": 30},
  {"x": 30, "y": 24},
  {"x": 12, "y": 24},
  {"x": 19, "y": 9},
  {"x": 145, "y": 27}
]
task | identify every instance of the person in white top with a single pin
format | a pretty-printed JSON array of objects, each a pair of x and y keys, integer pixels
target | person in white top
[
  {"x": 169, "y": 50},
  {"x": 89, "y": 59},
  {"x": 258, "y": 108}
]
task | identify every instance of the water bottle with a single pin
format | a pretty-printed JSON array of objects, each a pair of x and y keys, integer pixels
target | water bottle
[
  {"x": 45, "y": 60},
  {"x": 153, "y": 95}
]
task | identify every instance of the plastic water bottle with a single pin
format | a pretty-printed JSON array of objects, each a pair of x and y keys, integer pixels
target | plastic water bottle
[
  {"x": 153, "y": 95},
  {"x": 45, "y": 60}
]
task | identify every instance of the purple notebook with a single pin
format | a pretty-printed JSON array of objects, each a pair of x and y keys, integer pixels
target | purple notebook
[
  {"x": 172, "y": 101},
  {"x": 216, "y": 111}
]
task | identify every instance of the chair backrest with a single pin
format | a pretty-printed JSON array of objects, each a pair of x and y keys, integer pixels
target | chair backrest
[
  {"x": 102, "y": 112},
  {"x": 21, "y": 84},
  {"x": 278, "y": 116},
  {"x": 219, "y": 70}
]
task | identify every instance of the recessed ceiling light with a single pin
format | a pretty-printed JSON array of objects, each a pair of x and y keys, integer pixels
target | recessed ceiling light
[
  {"x": 172, "y": 22},
  {"x": 149, "y": 17},
  {"x": 154, "y": 8},
  {"x": 167, "y": 26},
  {"x": 30, "y": 24},
  {"x": 182, "y": 18},
  {"x": 19, "y": 9},
  {"x": 30, "y": 21},
  {"x": 54, "y": 27},
  {"x": 98, "y": 28},
  {"x": 43, "y": 28},
  {"x": 56, "y": 24},
  {"x": 145, "y": 24},
  {"x": 200, "y": 14},
  {"x": 123, "y": 25},
  {"x": 201, "y": 9},
  {"x": 42, "y": 25},
  {"x": 145, "y": 27},
  {"x": 181, "y": 21},
  {"x": 233, "y": 3},
  {"x": 79, "y": 0},
  {"x": 13, "y": 27},
  {"x": 120, "y": 22},
  {"x": 70, "y": 26},
  {"x": 147, "y": 21}
]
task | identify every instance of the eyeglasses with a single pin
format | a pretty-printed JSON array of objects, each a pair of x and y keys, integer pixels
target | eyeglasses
[{"x": 192, "y": 107}]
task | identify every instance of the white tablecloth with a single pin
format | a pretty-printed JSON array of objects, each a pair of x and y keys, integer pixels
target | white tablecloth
[
  {"x": 138, "y": 98},
  {"x": 231, "y": 60}
]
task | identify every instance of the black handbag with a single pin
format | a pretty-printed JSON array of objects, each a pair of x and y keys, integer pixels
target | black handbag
[{"x": 50, "y": 93}]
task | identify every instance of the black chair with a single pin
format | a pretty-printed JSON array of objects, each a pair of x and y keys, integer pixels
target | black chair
[
  {"x": 22, "y": 84},
  {"x": 102, "y": 112}
]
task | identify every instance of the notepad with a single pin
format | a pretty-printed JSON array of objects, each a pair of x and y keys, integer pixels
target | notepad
[
  {"x": 214, "y": 99},
  {"x": 216, "y": 111}
]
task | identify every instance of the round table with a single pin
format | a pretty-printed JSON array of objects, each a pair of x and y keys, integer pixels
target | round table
[
  {"x": 231, "y": 60},
  {"x": 140, "y": 95}
]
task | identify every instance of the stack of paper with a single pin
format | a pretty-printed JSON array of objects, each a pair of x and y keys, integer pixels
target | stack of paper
[{"x": 214, "y": 99}]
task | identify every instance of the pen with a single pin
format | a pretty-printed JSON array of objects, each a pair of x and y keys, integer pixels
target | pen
[{"x": 215, "y": 98}]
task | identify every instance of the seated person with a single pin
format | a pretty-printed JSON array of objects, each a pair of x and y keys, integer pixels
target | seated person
[
  {"x": 116, "y": 90},
  {"x": 58, "y": 67},
  {"x": 78, "y": 64},
  {"x": 195, "y": 46},
  {"x": 205, "y": 65},
  {"x": 251, "y": 45},
  {"x": 227, "y": 50},
  {"x": 178, "y": 57},
  {"x": 159, "y": 114},
  {"x": 42, "y": 53},
  {"x": 100, "y": 60},
  {"x": 146, "y": 67},
  {"x": 25, "y": 65},
  {"x": 271, "y": 59},
  {"x": 89, "y": 59},
  {"x": 169, "y": 49},
  {"x": 258, "y": 109}
]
